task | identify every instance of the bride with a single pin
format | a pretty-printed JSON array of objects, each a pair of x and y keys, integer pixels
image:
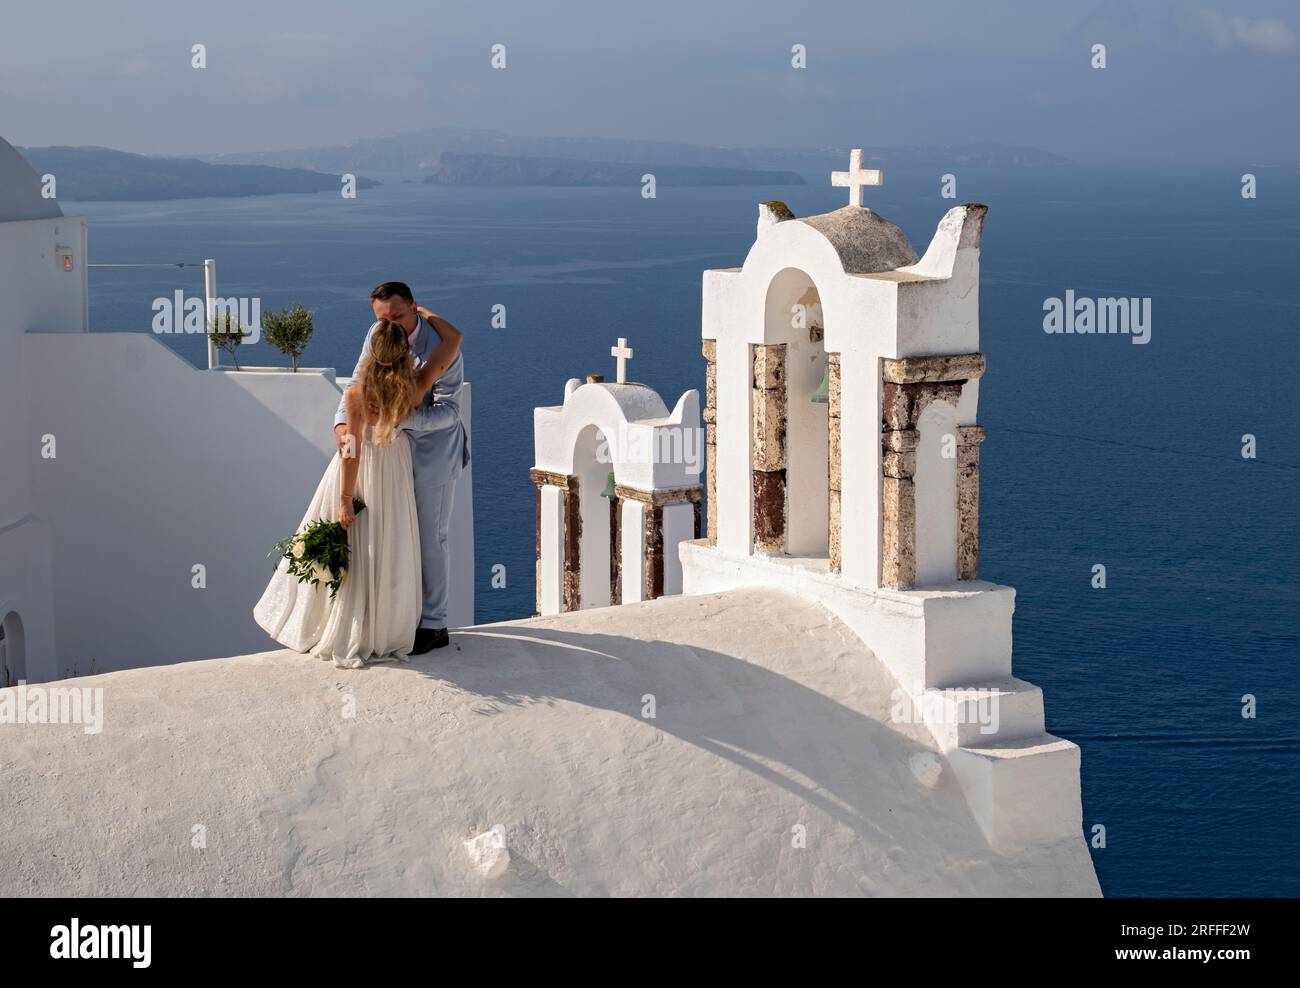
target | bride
[{"x": 371, "y": 617}]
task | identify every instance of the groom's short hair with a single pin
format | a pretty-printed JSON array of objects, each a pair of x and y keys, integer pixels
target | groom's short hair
[{"x": 390, "y": 288}]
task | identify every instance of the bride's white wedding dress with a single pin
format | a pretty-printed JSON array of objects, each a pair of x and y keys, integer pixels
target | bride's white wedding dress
[{"x": 373, "y": 616}]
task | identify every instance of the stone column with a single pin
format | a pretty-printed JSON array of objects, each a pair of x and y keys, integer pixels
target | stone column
[
  {"x": 710, "y": 417},
  {"x": 537, "y": 547},
  {"x": 898, "y": 508},
  {"x": 969, "y": 438},
  {"x": 615, "y": 550},
  {"x": 834, "y": 485},
  {"x": 768, "y": 442},
  {"x": 653, "y": 543},
  {"x": 571, "y": 591},
  {"x": 909, "y": 385}
]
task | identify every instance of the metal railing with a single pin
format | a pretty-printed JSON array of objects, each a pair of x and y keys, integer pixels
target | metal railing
[{"x": 209, "y": 292}]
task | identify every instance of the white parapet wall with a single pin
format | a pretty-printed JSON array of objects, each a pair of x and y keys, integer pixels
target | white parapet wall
[
  {"x": 938, "y": 638},
  {"x": 159, "y": 468}
]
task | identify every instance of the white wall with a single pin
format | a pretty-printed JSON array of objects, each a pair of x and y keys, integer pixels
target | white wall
[
  {"x": 632, "y": 575},
  {"x": 594, "y": 545},
  {"x": 807, "y": 448},
  {"x": 935, "y": 487},
  {"x": 26, "y": 590},
  {"x": 160, "y": 467},
  {"x": 551, "y": 571},
  {"x": 679, "y": 527},
  {"x": 36, "y": 293}
]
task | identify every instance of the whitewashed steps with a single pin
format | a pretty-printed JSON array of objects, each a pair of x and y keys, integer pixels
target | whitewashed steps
[
  {"x": 1022, "y": 790},
  {"x": 1022, "y": 783},
  {"x": 979, "y": 714}
]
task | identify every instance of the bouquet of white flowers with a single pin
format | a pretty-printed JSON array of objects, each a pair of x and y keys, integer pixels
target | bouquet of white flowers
[{"x": 319, "y": 553}]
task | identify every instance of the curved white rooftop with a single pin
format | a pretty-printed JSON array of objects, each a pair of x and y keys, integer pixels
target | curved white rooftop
[
  {"x": 20, "y": 189},
  {"x": 762, "y": 726},
  {"x": 635, "y": 401},
  {"x": 865, "y": 241}
]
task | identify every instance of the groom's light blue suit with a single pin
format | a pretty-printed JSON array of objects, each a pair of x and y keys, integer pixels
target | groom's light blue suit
[{"x": 439, "y": 452}]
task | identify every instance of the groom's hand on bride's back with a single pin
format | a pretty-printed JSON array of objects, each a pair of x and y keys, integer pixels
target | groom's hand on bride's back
[{"x": 341, "y": 438}]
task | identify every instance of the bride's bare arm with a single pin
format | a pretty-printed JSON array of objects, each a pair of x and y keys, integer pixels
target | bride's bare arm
[
  {"x": 350, "y": 449},
  {"x": 443, "y": 356}
]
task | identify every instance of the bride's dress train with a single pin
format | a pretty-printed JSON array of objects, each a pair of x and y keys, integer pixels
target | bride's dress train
[{"x": 374, "y": 615}]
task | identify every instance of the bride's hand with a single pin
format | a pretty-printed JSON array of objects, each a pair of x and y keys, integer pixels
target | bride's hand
[
  {"x": 429, "y": 314},
  {"x": 346, "y": 513}
]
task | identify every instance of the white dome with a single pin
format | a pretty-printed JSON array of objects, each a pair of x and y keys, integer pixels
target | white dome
[
  {"x": 20, "y": 189},
  {"x": 866, "y": 242}
]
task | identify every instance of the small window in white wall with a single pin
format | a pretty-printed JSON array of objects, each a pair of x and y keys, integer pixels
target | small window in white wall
[{"x": 13, "y": 665}]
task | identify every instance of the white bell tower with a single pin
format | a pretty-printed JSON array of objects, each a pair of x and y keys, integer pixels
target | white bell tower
[
  {"x": 618, "y": 489},
  {"x": 843, "y": 464}
]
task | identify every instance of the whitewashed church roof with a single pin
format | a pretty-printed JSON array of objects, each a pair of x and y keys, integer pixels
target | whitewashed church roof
[
  {"x": 636, "y": 401},
  {"x": 728, "y": 744},
  {"x": 866, "y": 242},
  {"x": 20, "y": 189}
]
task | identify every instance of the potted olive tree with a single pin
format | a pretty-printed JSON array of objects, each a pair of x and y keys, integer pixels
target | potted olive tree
[
  {"x": 288, "y": 331},
  {"x": 226, "y": 333}
]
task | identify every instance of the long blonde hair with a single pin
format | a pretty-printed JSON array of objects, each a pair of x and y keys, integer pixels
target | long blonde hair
[{"x": 387, "y": 380}]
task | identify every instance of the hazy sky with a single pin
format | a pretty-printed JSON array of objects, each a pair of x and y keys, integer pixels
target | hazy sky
[{"x": 1199, "y": 82}]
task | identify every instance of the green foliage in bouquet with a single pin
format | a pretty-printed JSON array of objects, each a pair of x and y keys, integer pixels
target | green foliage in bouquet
[{"x": 319, "y": 553}]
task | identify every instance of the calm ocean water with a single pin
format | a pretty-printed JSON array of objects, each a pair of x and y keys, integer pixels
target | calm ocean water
[{"x": 1098, "y": 450}]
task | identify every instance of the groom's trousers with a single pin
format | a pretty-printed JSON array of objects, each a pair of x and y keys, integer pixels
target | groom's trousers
[{"x": 433, "y": 503}]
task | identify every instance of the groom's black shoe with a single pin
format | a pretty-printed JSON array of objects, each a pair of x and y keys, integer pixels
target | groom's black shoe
[{"x": 427, "y": 639}]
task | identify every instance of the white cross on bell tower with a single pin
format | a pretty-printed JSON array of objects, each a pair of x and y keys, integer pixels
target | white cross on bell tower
[
  {"x": 624, "y": 353},
  {"x": 856, "y": 177}
]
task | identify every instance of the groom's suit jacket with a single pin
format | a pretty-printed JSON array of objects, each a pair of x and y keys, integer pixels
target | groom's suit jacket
[{"x": 439, "y": 442}]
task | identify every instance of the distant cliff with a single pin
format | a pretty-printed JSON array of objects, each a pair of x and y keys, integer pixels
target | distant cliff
[
  {"x": 419, "y": 150},
  {"x": 94, "y": 173},
  {"x": 494, "y": 169}
]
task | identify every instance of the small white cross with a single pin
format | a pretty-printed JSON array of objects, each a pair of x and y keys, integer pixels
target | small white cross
[
  {"x": 624, "y": 353},
  {"x": 856, "y": 177}
]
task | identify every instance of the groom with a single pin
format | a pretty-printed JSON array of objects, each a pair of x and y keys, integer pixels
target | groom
[{"x": 439, "y": 452}]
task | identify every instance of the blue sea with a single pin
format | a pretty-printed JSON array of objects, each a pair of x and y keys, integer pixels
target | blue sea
[{"x": 1099, "y": 451}]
